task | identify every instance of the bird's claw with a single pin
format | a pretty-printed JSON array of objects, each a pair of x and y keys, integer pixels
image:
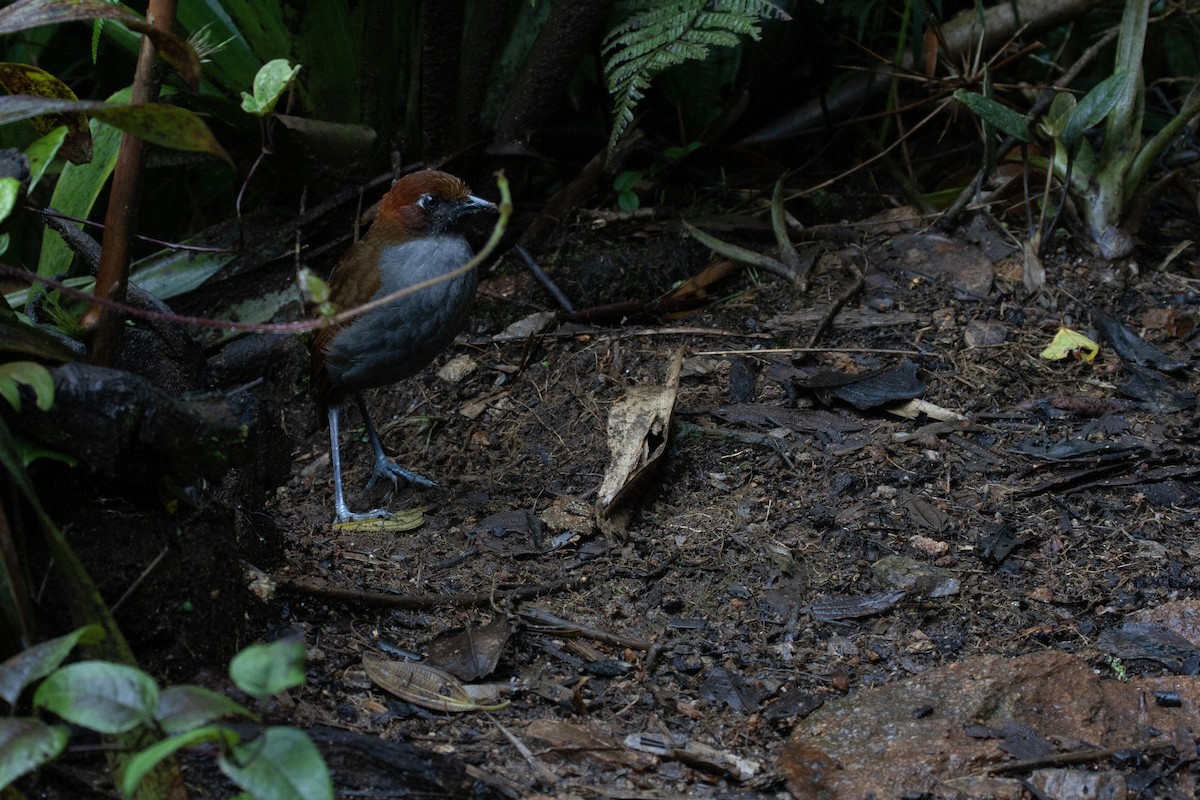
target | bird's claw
[
  {"x": 386, "y": 468},
  {"x": 348, "y": 517}
]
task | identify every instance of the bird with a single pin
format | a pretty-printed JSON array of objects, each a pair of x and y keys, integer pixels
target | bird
[{"x": 416, "y": 236}]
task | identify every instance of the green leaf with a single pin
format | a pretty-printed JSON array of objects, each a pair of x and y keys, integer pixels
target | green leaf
[
  {"x": 627, "y": 180},
  {"x": 282, "y": 764},
  {"x": 21, "y": 339},
  {"x": 313, "y": 286},
  {"x": 183, "y": 708},
  {"x": 42, "y": 152},
  {"x": 31, "y": 374},
  {"x": 26, "y": 744},
  {"x": 36, "y": 662},
  {"x": 97, "y": 27},
  {"x": 11, "y": 465},
  {"x": 262, "y": 670},
  {"x": 339, "y": 143},
  {"x": 144, "y": 762},
  {"x": 168, "y": 126},
  {"x": 76, "y": 191},
  {"x": 169, "y": 273},
  {"x": 31, "y": 451},
  {"x": 998, "y": 114},
  {"x": 269, "y": 85},
  {"x": 101, "y": 695},
  {"x": 1093, "y": 108},
  {"x": 1057, "y": 115},
  {"x": 10, "y": 193},
  {"x": 255, "y": 309}
]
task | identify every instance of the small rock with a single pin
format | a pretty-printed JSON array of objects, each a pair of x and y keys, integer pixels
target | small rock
[
  {"x": 930, "y": 547},
  {"x": 984, "y": 334},
  {"x": 457, "y": 368},
  {"x": 917, "y": 576},
  {"x": 1061, "y": 784}
]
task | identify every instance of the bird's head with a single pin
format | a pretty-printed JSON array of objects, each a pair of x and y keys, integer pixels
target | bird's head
[{"x": 428, "y": 203}]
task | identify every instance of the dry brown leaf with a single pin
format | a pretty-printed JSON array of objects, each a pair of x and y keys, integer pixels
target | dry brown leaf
[
  {"x": 638, "y": 428},
  {"x": 423, "y": 685}
]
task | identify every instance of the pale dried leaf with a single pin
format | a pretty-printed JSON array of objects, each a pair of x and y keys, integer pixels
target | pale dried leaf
[{"x": 422, "y": 685}]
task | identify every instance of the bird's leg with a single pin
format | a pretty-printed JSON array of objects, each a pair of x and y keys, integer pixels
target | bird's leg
[
  {"x": 344, "y": 514},
  {"x": 384, "y": 466}
]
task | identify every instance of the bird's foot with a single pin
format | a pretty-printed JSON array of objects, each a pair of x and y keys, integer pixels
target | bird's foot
[
  {"x": 345, "y": 517},
  {"x": 380, "y": 521},
  {"x": 386, "y": 468}
]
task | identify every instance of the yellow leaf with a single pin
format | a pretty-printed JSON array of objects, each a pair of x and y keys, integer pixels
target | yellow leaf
[{"x": 1070, "y": 343}]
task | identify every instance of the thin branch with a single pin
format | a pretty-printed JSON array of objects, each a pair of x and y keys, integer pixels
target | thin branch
[
  {"x": 316, "y": 588},
  {"x": 51, "y": 216},
  {"x": 112, "y": 276}
]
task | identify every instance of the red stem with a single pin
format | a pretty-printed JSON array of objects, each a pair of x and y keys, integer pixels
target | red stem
[{"x": 112, "y": 276}]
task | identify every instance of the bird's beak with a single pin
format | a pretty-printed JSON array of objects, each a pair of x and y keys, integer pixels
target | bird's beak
[{"x": 474, "y": 204}]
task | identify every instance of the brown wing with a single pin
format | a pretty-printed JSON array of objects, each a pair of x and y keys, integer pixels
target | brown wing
[{"x": 354, "y": 281}]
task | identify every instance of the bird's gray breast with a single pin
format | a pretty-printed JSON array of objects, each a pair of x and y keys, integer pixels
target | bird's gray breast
[{"x": 400, "y": 339}]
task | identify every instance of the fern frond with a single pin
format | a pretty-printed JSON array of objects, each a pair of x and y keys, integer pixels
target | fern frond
[{"x": 653, "y": 36}]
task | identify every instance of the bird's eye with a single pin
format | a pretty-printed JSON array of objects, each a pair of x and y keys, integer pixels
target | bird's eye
[{"x": 429, "y": 202}]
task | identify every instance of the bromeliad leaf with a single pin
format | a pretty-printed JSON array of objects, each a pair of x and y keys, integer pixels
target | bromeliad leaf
[
  {"x": 41, "y": 153},
  {"x": 1093, "y": 108},
  {"x": 1004, "y": 118},
  {"x": 10, "y": 193},
  {"x": 76, "y": 191}
]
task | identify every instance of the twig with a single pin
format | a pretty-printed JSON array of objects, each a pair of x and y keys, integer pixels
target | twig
[
  {"x": 52, "y": 215},
  {"x": 775, "y": 350},
  {"x": 622, "y": 333},
  {"x": 545, "y": 279},
  {"x": 543, "y": 620},
  {"x": 318, "y": 589},
  {"x": 140, "y": 579},
  {"x": 630, "y": 308},
  {"x": 1074, "y": 757},
  {"x": 76, "y": 240},
  {"x": 837, "y": 304},
  {"x": 545, "y": 775}
]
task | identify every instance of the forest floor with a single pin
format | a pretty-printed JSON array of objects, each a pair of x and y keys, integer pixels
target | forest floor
[
  {"x": 817, "y": 587},
  {"x": 800, "y": 595}
]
